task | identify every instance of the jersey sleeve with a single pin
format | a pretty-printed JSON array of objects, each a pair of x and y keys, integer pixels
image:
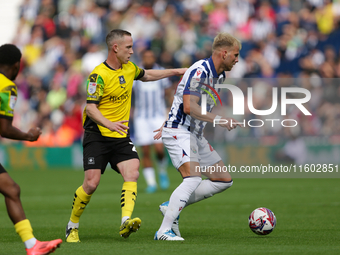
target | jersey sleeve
[
  {"x": 139, "y": 72},
  {"x": 8, "y": 99},
  {"x": 94, "y": 88},
  {"x": 194, "y": 83}
]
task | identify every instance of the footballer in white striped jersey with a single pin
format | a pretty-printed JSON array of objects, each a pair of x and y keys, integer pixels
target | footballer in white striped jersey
[{"x": 182, "y": 134}]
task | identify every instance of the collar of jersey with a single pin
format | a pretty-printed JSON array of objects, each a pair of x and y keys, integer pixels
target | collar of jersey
[{"x": 105, "y": 63}]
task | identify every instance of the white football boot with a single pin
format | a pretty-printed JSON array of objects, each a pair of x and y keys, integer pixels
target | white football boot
[
  {"x": 168, "y": 235},
  {"x": 175, "y": 227}
]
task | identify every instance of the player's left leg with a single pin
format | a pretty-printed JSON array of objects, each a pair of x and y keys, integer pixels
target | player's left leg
[
  {"x": 216, "y": 183},
  {"x": 129, "y": 171},
  {"x": 207, "y": 188},
  {"x": 162, "y": 163},
  {"x": 218, "y": 178},
  {"x": 22, "y": 226},
  {"x": 11, "y": 191}
]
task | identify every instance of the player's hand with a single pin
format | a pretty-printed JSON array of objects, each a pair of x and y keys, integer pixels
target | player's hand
[
  {"x": 119, "y": 127},
  {"x": 231, "y": 124},
  {"x": 34, "y": 134},
  {"x": 159, "y": 133}
]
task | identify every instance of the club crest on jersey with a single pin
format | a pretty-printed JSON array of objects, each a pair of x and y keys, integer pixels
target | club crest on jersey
[
  {"x": 121, "y": 79},
  {"x": 92, "y": 87},
  {"x": 12, "y": 102}
]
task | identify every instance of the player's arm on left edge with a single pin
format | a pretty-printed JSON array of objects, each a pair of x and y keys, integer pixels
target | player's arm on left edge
[
  {"x": 191, "y": 107},
  {"x": 154, "y": 75},
  {"x": 11, "y": 132}
]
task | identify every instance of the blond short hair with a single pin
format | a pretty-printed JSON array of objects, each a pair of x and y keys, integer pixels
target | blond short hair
[{"x": 225, "y": 40}]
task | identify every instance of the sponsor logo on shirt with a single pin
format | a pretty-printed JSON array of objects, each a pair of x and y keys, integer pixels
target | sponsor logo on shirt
[{"x": 121, "y": 98}]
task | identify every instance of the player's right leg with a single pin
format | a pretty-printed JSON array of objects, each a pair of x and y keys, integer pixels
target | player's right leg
[
  {"x": 94, "y": 163},
  {"x": 82, "y": 197},
  {"x": 179, "y": 145},
  {"x": 178, "y": 200},
  {"x": 11, "y": 191}
]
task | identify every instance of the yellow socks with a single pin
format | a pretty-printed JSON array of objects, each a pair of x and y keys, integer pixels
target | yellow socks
[
  {"x": 127, "y": 202},
  {"x": 24, "y": 230},
  {"x": 81, "y": 199},
  {"x": 128, "y": 198}
]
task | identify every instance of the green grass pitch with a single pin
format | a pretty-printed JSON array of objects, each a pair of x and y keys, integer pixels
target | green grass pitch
[{"x": 307, "y": 212}]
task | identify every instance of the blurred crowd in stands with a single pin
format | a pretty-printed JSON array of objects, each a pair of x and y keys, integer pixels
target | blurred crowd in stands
[{"x": 63, "y": 40}]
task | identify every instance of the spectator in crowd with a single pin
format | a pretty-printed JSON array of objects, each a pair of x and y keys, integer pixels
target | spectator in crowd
[{"x": 61, "y": 41}]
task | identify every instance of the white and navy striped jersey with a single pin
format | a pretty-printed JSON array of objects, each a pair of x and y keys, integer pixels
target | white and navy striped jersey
[
  {"x": 194, "y": 82},
  {"x": 149, "y": 97}
]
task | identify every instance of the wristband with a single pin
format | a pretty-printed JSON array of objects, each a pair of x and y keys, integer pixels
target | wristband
[{"x": 217, "y": 117}]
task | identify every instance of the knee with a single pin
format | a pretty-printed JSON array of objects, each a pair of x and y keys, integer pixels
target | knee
[
  {"x": 13, "y": 191},
  {"x": 130, "y": 170},
  {"x": 133, "y": 175},
  {"x": 90, "y": 186}
]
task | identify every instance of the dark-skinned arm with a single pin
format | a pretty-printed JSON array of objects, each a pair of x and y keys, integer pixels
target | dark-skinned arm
[{"x": 7, "y": 130}]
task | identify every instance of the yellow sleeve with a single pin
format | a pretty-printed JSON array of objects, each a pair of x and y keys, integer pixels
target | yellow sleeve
[
  {"x": 94, "y": 88},
  {"x": 8, "y": 99},
  {"x": 139, "y": 72}
]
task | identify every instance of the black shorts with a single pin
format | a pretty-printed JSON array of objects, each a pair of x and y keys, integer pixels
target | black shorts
[
  {"x": 2, "y": 169},
  {"x": 98, "y": 151}
]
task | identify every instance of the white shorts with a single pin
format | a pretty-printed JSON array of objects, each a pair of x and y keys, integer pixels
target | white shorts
[
  {"x": 144, "y": 130},
  {"x": 184, "y": 147}
]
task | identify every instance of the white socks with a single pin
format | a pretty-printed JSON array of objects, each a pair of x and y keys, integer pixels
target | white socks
[
  {"x": 149, "y": 175},
  {"x": 72, "y": 225},
  {"x": 124, "y": 219},
  {"x": 30, "y": 243},
  {"x": 207, "y": 189},
  {"x": 178, "y": 200}
]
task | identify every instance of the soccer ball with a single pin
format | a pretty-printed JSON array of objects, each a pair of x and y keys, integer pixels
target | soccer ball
[{"x": 262, "y": 221}]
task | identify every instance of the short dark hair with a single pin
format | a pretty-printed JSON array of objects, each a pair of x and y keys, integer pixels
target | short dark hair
[
  {"x": 114, "y": 35},
  {"x": 9, "y": 54}
]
